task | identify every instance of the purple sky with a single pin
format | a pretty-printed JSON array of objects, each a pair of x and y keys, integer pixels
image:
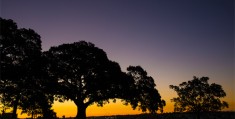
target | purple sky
[{"x": 173, "y": 40}]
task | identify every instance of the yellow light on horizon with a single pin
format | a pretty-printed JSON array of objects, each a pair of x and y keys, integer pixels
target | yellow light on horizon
[{"x": 69, "y": 109}]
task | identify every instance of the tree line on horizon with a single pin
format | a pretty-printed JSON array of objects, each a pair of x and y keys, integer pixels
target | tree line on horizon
[{"x": 31, "y": 80}]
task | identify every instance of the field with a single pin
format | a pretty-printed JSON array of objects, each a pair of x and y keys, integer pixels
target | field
[
  {"x": 205, "y": 115},
  {"x": 211, "y": 115}
]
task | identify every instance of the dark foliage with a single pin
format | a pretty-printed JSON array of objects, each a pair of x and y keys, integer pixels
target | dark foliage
[
  {"x": 20, "y": 65},
  {"x": 83, "y": 74},
  {"x": 198, "y": 96},
  {"x": 144, "y": 94},
  {"x": 79, "y": 71}
]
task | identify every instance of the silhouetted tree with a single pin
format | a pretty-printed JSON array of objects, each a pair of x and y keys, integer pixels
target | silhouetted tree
[
  {"x": 144, "y": 95},
  {"x": 8, "y": 30},
  {"x": 198, "y": 96},
  {"x": 83, "y": 74},
  {"x": 80, "y": 72},
  {"x": 20, "y": 63}
]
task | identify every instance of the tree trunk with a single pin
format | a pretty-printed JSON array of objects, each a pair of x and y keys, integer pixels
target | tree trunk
[
  {"x": 198, "y": 114},
  {"x": 81, "y": 111},
  {"x": 15, "y": 105},
  {"x": 32, "y": 114}
]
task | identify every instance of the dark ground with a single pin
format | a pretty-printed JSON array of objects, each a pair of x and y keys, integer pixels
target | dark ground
[
  {"x": 205, "y": 115},
  {"x": 211, "y": 115}
]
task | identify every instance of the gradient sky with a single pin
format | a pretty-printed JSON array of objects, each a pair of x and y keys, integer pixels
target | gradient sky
[{"x": 173, "y": 40}]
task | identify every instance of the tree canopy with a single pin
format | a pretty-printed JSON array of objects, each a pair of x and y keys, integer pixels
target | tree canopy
[
  {"x": 198, "y": 95},
  {"x": 20, "y": 64},
  {"x": 78, "y": 71},
  {"x": 83, "y": 74},
  {"x": 144, "y": 95}
]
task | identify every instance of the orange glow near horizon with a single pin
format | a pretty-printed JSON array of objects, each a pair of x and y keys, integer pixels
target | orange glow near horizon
[
  {"x": 171, "y": 40},
  {"x": 69, "y": 109}
]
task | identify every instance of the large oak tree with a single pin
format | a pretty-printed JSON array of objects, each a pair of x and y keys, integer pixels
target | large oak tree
[{"x": 83, "y": 74}]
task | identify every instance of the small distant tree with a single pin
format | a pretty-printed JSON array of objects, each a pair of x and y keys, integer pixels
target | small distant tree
[
  {"x": 143, "y": 93},
  {"x": 198, "y": 96}
]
